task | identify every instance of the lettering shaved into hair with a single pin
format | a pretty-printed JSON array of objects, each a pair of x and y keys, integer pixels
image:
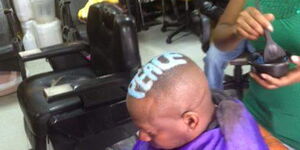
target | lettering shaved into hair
[{"x": 143, "y": 81}]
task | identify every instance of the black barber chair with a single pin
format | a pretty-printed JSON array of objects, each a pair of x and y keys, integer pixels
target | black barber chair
[
  {"x": 193, "y": 20},
  {"x": 84, "y": 108},
  {"x": 145, "y": 12},
  {"x": 66, "y": 11},
  {"x": 10, "y": 38},
  {"x": 182, "y": 22}
]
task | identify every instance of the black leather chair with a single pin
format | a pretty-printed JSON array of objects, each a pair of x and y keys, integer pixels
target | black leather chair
[
  {"x": 66, "y": 11},
  {"x": 144, "y": 12},
  {"x": 84, "y": 108},
  {"x": 182, "y": 23},
  {"x": 10, "y": 38},
  {"x": 195, "y": 19}
]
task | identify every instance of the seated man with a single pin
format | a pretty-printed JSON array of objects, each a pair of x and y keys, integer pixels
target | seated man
[{"x": 170, "y": 102}]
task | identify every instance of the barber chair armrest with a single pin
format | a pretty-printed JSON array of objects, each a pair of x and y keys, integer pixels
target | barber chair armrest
[
  {"x": 77, "y": 89},
  {"x": 52, "y": 51}
]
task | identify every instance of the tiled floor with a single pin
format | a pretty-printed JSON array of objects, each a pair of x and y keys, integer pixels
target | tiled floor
[{"x": 152, "y": 43}]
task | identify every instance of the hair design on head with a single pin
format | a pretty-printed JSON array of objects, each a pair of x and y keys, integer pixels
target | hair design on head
[{"x": 143, "y": 81}]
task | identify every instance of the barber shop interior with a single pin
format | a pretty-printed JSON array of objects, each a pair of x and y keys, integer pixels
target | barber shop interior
[{"x": 149, "y": 75}]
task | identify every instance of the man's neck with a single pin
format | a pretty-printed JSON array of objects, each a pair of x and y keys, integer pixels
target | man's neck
[{"x": 214, "y": 122}]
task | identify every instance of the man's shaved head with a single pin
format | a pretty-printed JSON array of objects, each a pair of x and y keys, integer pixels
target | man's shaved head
[{"x": 170, "y": 101}]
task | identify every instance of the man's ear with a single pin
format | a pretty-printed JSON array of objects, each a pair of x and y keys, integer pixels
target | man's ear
[{"x": 191, "y": 119}]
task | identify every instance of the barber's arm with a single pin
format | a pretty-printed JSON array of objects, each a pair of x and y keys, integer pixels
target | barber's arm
[
  {"x": 270, "y": 82},
  {"x": 237, "y": 24}
]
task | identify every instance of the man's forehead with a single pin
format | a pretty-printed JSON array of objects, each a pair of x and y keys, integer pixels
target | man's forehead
[{"x": 149, "y": 74}]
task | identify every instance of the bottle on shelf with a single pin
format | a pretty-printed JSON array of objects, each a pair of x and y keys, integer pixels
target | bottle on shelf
[{"x": 29, "y": 40}]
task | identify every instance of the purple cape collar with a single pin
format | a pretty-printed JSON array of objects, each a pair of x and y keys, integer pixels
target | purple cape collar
[{"x": 237, "y": 131}]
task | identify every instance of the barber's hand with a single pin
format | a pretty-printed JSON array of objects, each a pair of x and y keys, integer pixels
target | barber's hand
[
  {"x": 250, "y": 23},
  {"x": 270, "y": 82}
]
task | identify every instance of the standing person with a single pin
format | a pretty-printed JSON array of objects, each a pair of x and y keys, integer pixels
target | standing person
[
  {"x": 274, "y": 102},
  {"x": 216, "y": 60}
]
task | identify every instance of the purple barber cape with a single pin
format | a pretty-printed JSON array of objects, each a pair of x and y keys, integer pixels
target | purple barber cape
[{"x": 237, "y": 131}]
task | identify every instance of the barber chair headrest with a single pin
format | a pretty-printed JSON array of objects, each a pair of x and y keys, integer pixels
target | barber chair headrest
[{"x": 113, "y": 39}]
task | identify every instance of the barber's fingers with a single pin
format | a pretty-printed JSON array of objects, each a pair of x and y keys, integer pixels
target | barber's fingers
[
  {"x": 263, "y": 20},
  {"x": 242, "y": 24},
  {"x": 241, "y": 32},
  {"x": 279, "y": 82},
  {"x": 270, "y": 17},
  {"x": 263, "y": 82},
  {"x": 249, "y": 24},
  {"x": 296, "y": 60}
]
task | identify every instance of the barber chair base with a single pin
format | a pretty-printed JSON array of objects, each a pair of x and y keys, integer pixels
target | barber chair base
[
  {"x": 172, "y": 35},
  {"x": 94, "y": 141},
  {"x": 57, "y": 140}
]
